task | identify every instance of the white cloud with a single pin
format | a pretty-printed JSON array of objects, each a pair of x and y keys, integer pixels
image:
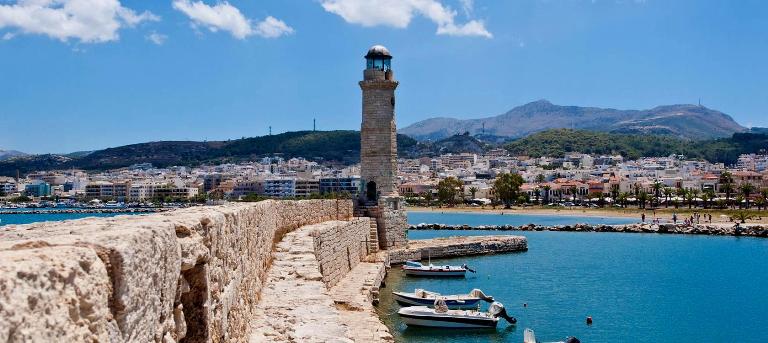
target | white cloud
[
  {"x": 89, "y": 21},
  {"x": 226, "y": 17},
  {"x": 399, "y": 13},
  {"x": 157, "y": 38},
  {"x": 272, "y": 27}
]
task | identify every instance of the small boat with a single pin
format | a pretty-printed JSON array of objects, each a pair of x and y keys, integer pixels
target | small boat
[
  {"x": 417, "y": 269},
  {"x": 421, "y": 297},
  {"x": 530, "y": 337},
  {"x": 442, "y": 317}
]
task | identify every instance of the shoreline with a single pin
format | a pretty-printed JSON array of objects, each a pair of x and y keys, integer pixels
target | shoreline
[
  {"x": 664, "y": 215},
  {"x": 713, "y": 229}
]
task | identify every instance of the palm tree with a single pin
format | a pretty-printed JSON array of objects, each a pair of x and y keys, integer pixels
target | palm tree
[
  {"x": 546, "y": 189},
  {"x": 746, "y": 190},
  {"x": 726, "y": 185},
  {"x": 622, "y": 198},
  {"x": 694, "y": 194},
  {"x": 710, "y": 195},
  {"x": 667, "y": 195},
  {"x": 573, "y": 191},
  {"x": 540, "y": 178},
  {"x": 689, "y": 198},
  {"x": 680, "y": 193},
  {"x": 656, "y": 192},
  {"x": 764, "y": 197},
  {"x": 642, "y": 199},
  {"x": 614, "y": 192}
]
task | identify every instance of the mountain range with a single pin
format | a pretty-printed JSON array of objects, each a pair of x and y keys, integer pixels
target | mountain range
[
  {"x": 6, "y": 154},
  {"x": 681, "y": 121},
  {"x": 341, "y": 147}
]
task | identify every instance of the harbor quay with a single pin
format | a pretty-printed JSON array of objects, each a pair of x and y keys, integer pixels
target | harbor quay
[
  {"x": 750, "y": 230},
  {"x": 272, "y": 271}
]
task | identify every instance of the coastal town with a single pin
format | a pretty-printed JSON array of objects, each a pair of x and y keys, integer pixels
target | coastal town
[{"x": 573, "y": 180}]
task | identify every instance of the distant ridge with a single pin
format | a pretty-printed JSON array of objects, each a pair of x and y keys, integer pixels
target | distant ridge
[
  {"x": 333, "y": 146},
  {"x": 6, "y": 154},
  {"x": 681, "y": 121}
]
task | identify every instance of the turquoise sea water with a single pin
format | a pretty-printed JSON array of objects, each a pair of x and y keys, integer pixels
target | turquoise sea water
[
  {"x": 637, "y": 288},
  {"x": 8, "y": 219},
  {"x": 473, "y": 219}
]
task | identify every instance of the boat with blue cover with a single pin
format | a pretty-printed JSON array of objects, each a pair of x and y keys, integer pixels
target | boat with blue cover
[{"x": 421, "y": 297}]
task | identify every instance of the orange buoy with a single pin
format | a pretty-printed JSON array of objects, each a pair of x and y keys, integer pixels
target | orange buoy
[{"x": 589, "y": 320}]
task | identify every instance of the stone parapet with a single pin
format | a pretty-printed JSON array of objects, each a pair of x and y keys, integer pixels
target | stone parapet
[
  {"x": 190, "y": 274},
  {"x": 340, "y": 246}
]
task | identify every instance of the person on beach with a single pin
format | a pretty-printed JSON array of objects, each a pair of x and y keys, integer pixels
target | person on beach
[
  {"x": 642, "y": 217},
  {"x": 674, "y": 218}
]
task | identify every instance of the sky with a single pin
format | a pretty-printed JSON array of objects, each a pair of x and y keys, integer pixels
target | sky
[{"x": 90, "y": 74}]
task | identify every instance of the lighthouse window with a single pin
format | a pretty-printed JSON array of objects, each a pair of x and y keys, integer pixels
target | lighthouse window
[{"x": 378, "y": 63}]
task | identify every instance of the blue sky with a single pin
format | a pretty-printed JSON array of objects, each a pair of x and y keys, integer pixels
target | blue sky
[{"x": 90, "y": 74}]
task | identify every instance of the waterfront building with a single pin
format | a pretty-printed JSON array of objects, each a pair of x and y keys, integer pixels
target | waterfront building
[
  {"x": 243, "y": 188},
  {"x": 341, "y": 185},
  {"x": 105, "y": 190},
  {"x": 305, "y": 188},
  {"x": 280, "y": 188},
  {"x": 38, "y": 188},
  {"x": 8, "y": 187}
]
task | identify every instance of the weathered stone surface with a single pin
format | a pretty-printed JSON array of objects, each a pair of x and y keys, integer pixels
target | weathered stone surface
[
  {"x": 54, "y": 294},
  {"x": 295, "y": 305},
  {"x": 194, "y": 273},
  {"x": 457, "y": 246},
  {"x": 339, "y": 247}
]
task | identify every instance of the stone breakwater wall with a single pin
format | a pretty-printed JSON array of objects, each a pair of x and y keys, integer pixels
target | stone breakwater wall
[
  {"x": 457, "y": 246},
  {"x": 699, "y": 229},
  {"x": 191, "y": 275},
  {"x": 339, "y": 246}
]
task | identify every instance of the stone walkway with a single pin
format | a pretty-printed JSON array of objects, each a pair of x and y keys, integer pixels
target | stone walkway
[
  {"x": 295, "y": 305},
  {"x": 353, "y": 295}
]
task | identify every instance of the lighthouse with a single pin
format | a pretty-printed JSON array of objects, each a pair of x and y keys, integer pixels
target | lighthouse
[
  {"x": 378, "y": 134},
  {"x": 379, "y": 197}
]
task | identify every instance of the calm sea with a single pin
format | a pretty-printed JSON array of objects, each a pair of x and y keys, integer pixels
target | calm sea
[
  {"x": 474, "y": 219},
  {"x": 637, "y": 287},
  {"x": 8, "y": 219}
]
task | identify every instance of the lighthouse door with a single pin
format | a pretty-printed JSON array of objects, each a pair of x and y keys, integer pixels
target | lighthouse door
[{"x": 370, "y": 191}]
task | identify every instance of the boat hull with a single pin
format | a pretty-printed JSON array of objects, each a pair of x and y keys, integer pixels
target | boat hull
[
  {"x": 434, "y": 272},
  {"x": 405, "y": 300},
  {"x": 448, "y": 322}
]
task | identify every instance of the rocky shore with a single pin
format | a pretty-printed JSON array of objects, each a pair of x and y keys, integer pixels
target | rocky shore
[{"x": 699, "y": 229}]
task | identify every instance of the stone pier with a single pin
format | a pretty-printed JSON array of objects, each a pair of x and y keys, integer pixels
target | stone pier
[{"x": 457, "y": 246}]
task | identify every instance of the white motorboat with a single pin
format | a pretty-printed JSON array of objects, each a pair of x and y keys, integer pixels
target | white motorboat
[
  {"x": 442, "y": 317},
  {"x": 421, "y": 297},
  {"x": 530, "y": 337},
  {"x": 417, "y": 269}
]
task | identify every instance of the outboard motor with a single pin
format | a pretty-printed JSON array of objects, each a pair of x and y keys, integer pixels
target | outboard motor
[
  {"x": 497, "y": 310},
  {"x": 479, "y": 294},
  {"x": 467, "y": 268}
]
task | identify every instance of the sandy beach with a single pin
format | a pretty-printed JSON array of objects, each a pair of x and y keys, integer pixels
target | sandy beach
[{"x": 663, "y": 214}]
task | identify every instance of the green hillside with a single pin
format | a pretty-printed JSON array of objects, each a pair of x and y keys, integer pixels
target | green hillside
[
  {"x": 560, "y": 141},
  {"x": 335, "y": 146}
]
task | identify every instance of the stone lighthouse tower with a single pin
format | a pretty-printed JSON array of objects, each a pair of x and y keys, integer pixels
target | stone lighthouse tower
[
  {"x": 378, "y": 135},
  {"x": 378, "y": 149}
]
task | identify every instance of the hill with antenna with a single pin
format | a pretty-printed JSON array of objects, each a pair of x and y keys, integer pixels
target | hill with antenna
[{"x": 680, "y": 121}]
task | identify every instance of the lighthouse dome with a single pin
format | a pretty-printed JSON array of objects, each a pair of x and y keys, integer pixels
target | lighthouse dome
[{"x": 378, "y": 51}]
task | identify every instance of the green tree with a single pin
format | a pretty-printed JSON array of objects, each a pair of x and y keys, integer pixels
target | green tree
[
  {"x": 657, "y": 186},
  {"x": 615, "y": 192},
  {"x": 668, "y": 191},
  {"x": 726, "y": 185},
  {"x": 546, "y": 190},
  {"x": 448, "y": 189},
  {"x": 642, "y": 198},
  {"x": 746, "y": 190},
  {"x": 507, "y": 188},
  {"x": 540, "y": 178}
]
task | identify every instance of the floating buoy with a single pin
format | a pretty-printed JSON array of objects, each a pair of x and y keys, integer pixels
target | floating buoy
[
  {"x": 589, "y": 320},
  {"x": 525, "y": 304}
]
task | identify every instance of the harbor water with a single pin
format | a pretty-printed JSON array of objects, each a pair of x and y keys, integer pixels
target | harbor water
[
  {"x": 636, "y": 287},
  {"x": 9, "y": 219}
]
